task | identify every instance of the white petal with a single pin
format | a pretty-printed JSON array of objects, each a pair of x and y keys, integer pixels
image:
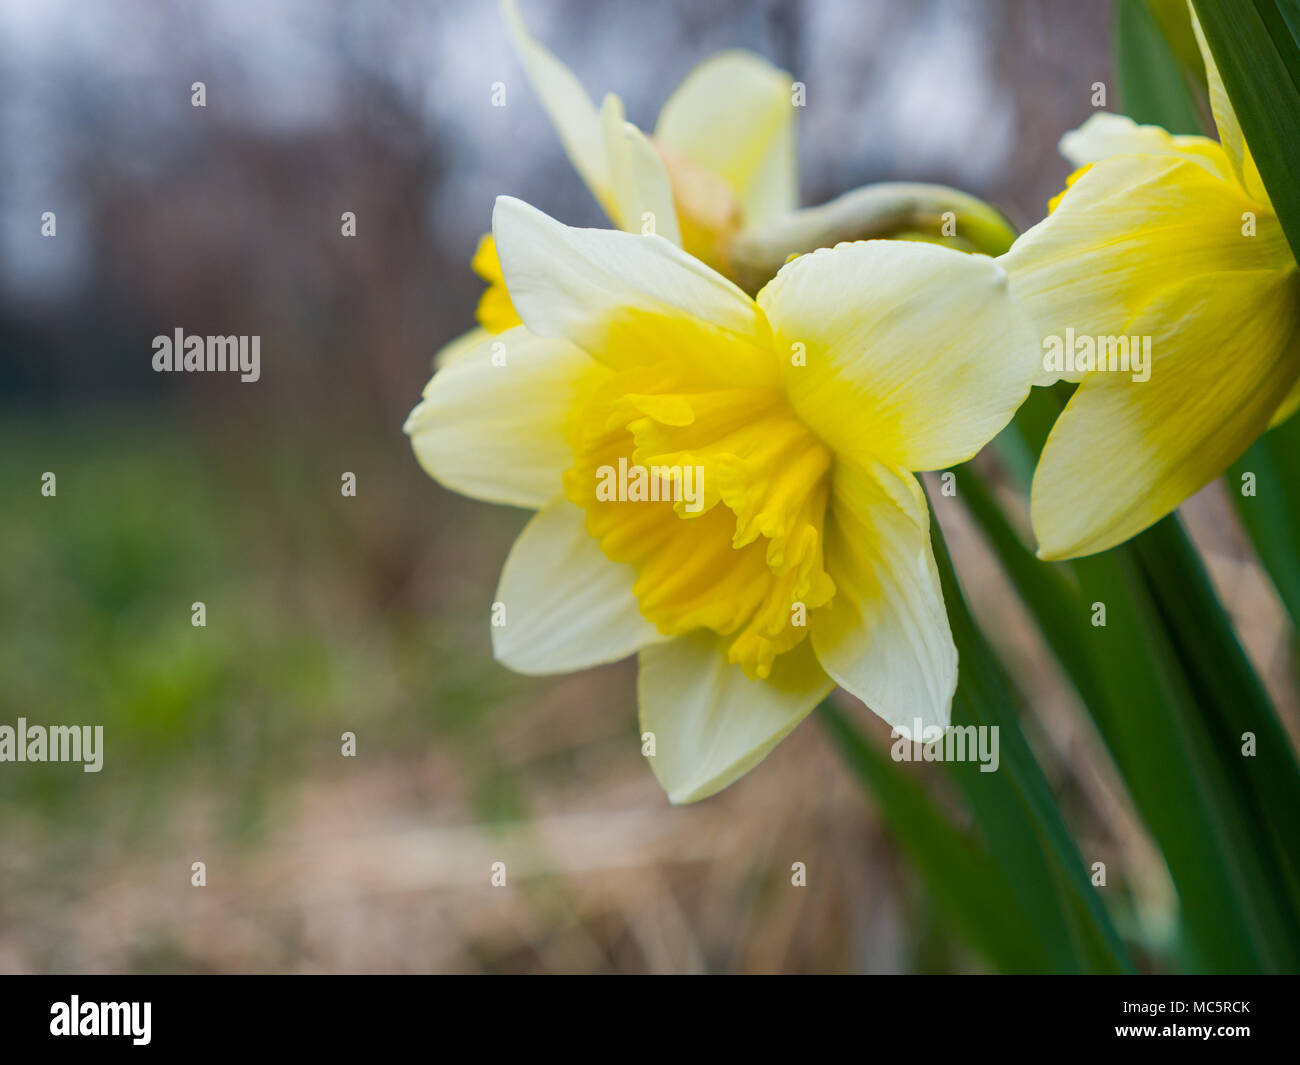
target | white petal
[
  {"x": 639, "y": 178},
  {"x": 498, "y": 432},
  {"x": 1105, "y": 135},
  {"x": 465, "y": 344},
  {"x": 885, "y": 636},
  {"x": 578, "y": 283},
  {"x": 734, "y": 114},
  {"x": 912, "y": 353},
  {"x": 567, "y": 606},
  {"x": 711, "y": 722}
]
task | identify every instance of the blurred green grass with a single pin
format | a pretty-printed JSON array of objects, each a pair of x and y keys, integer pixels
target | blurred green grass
[
  {"x": 328, "y": 614},
  {"x": 318, "y": 618}
]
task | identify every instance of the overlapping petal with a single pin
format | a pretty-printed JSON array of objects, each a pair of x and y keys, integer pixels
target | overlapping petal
[
  {"x": 640, "y": 188},
  {"x": 567, "y": 606},
  {"x": 885, "y": 636},
  {"x": 626, "y": 299},
  {"x": 495, "y": 312},
  {"x": 1130, "y": 228},
  {"x": 906, "y": 352},
  {"x": 493, "y": 420},
  {"x": 734, "y": 115},
  {"x": 1104, "y": 136},
  {"x": 1225, "y": 118},
  {"x": 1225, "y": 353}
]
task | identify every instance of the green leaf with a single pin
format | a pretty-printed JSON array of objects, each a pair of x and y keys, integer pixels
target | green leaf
[
  {"x": 1234, "y": 705},
  {"x": 1166, "y": 723},
  {"x": 965, "y": 881},
  {"x": 1015, "y": 808},
  {"x": 1256, "y": 50},
  {"x": 1153, "y": 84},
  {"x": 1041, "y": 875},
  {"x": 1272, "y": 514},
  {"x": 1256, "y": 46}
]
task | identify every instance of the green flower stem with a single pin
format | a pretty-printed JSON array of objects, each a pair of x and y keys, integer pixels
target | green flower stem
[{"x": 896, "y": 209}]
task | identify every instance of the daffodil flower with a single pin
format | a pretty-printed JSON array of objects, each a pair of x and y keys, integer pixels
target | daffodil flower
[
  {"x": 1171, "y": 238},
  {"x": 722, "y": 156},
  {"x": 803, "y": 560}
]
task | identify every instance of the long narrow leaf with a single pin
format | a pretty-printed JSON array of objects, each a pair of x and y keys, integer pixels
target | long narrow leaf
[
  {"x": 968, "y": 885},
  {"x": 1223, "y": 856},
  {"x": 1258, "y": 57},
  {"x": 1021, "y": 819}
]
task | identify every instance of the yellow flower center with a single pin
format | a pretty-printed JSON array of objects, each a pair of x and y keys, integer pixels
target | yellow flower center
[{"x": 715, "y": 492}]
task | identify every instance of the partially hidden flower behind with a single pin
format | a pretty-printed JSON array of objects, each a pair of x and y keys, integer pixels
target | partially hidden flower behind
[
  {"x": 724, "y": 485},
  {"x": 1171, "y": 242},
  {"x": 722, "y": 155}
]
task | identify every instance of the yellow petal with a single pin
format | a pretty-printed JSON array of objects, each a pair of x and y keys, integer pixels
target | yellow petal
[
  {"x": 1130, "y": 228},
  {"x": 628, "y": 300},
  {"x": 1125, "y": 453},
  {"x": 711, "y": 722},
  {"x": 885, "y": 635},
  {"x": 734, "y": 115},
  {"x": 907, "y": 352},
  {"x": 495, "y": 312},
  {"x": 567, "y": 607},
  {"x": 567, "y": 104},
  {"x": 500, "y": 432}
]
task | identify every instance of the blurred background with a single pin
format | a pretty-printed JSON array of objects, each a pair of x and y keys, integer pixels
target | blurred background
[{"x": 328, "y": 614}]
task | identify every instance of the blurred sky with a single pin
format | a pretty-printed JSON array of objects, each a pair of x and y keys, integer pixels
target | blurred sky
[{"x": 95, "y": 105}]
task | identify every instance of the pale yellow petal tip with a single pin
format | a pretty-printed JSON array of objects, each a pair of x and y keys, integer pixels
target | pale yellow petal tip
[
  {"x": 411, "y": 424},
  {"x": 1059, "y": 552},
  {"x": 693, "y": 793}
]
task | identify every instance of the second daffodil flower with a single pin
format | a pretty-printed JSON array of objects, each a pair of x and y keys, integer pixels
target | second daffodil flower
[
  {"x": 724, "y": 485},
  {"x": 721, "y": 157},
  {"x": 1169, "y": 242}
]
